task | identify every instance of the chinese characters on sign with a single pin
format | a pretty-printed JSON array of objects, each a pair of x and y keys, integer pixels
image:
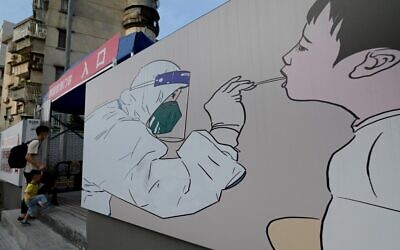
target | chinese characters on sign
[{"x": 87, "y": 68}]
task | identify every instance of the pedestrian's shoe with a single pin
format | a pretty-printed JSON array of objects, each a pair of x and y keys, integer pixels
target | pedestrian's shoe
[{"x": 25, "y": 223}]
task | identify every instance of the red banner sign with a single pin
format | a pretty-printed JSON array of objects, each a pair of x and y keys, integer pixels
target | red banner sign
[{"x": 87, "y": 68}]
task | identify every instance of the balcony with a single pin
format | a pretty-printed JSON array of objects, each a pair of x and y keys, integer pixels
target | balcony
[
  {"x": 23, "y": 44},
  {"x": 17, "y": 83},
  {"x": 16, "y": 59},
  {"x": 27, "y": 94},
  {"x": 11, "y": 47},
  {"x": 39, "y": 8},
  {"x": 27, "y": 46},
  {"x": 28, "y": 110},
  {"x": 21, "y": 70},
  {"x": 6, "y": 100},
  {"x": 30, "y": 28},
  {"x": 18, "y": 95}
]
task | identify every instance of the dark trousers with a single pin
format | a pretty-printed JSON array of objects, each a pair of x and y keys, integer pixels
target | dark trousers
[
  {"x": 48, "y": 182},
  {"x": 24, "y": 207}
]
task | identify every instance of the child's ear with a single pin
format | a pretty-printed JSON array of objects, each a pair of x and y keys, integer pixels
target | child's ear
[{"x": 376, "y": 61}]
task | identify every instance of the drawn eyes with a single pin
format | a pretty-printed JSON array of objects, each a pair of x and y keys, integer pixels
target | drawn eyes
[{"x": 301, "y": 48}]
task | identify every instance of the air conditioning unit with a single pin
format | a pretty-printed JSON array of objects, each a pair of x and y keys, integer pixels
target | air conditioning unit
[{"x": 42, "y": 34}]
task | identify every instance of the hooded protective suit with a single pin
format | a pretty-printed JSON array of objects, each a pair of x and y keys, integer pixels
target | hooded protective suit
[{"x": 123, "y": 158}]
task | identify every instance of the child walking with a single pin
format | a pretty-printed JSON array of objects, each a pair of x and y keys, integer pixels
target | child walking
[{"x": 31, "y": 197}]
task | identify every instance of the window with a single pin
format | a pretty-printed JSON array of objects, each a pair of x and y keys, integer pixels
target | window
[
  {"x": 20, "y": 109},
  {"x": 64, "y": 6},
  {"x": 8, "y": 113},
  {"x": 62, "y": 39},
  {"x": 59, "y": 72}
]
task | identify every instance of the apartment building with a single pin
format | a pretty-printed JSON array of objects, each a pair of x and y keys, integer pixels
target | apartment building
[
  {"x": 5, "y": 32},
  {"x": 36, "y": 51},
  {"x": 24, "y": 64}
]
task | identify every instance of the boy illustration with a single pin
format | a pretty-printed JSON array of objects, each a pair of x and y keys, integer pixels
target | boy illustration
[
  {"x": 31, "y": 197},
  {"x": 349, "y": 56}
]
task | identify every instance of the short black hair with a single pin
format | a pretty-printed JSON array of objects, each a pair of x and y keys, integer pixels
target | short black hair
[
  {"x": 36, "y": 172},
  {"x": 366, "y": 24},
  {"x": 42, "y": 129}
]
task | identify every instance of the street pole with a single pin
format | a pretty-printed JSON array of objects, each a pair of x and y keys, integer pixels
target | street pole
[
  {"x": 69, "y": 34},
  {"x": 64, "y": 137}
]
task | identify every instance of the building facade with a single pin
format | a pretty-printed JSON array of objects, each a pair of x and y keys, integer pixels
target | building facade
[
  {"x": 35, "y": 57},
  {"x": 5, "y": 32},
  {"x": 37, "y": 49}
]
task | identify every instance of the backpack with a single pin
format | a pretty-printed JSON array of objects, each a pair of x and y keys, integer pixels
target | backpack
[{"x": 16, "y": 159}]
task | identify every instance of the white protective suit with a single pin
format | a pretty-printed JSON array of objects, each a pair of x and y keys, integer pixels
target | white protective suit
[{"x": 123, "y": 159}]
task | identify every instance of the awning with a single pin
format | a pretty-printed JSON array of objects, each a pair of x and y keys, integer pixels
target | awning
[
  {"x": 132, "y": 44},
  {"x": 71, "y": 103},
  {"x": 68, "y": 93}
]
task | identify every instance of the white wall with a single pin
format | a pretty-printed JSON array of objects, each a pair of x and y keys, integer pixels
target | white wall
[{"x": 13, "y": 136}]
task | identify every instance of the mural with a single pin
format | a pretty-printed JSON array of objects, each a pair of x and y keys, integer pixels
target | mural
[
  {"x": 348, "y": 57},
  {"x": 129, "y": 155},
  {"x": 361, "y": 77}
]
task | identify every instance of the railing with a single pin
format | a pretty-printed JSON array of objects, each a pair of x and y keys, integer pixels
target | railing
[
  {"x": 21, "y": 69},
  {"x": 25, "y": 94},
  {"x": 18, "y": 95},
  {"x": 68, "y": 176},
  {"x": 23, "y": 44},
  {"x": 31, "y": 28}
]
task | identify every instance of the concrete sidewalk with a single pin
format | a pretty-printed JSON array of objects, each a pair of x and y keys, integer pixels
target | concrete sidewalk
[
  {"x": 7, "y": 242},
  {"x": 58, "y": 228},
  {"x": 68, "y": 219},
  {"x": 37, "y": 236}
]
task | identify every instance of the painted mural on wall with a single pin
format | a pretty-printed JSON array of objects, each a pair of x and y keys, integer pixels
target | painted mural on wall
[
  {"x": 128, "y": 152},
  {"x": 348, "y": 56}
]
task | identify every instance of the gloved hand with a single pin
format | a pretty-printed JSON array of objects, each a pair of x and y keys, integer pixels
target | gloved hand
[{"x": 225, "y": 107}]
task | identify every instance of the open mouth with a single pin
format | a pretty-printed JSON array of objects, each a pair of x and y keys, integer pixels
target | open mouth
[{"x": 285, "y": 75}]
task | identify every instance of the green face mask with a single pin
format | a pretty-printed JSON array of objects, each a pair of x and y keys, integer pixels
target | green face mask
[{"x": 165, "y": 118}]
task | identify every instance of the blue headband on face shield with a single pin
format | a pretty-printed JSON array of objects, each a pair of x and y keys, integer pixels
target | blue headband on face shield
[{"x": 174, "y": 77}]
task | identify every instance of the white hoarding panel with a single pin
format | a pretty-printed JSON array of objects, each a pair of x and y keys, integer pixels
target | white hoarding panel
[
  {"x": 224, "y": 133},
  {"x": 11, "y": 137}
]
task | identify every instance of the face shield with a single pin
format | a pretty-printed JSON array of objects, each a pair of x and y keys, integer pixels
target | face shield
[
  {"x": 168, "y": 122},
  {"x": 158, "y": 98}
]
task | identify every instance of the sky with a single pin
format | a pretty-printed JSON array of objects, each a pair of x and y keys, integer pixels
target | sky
[{"x": 174, "y": 13}]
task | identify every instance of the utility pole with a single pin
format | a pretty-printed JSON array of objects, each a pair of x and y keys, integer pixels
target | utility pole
[
  {"x": 64, "y": 117},
  {"x": 69, "y": 34}
]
